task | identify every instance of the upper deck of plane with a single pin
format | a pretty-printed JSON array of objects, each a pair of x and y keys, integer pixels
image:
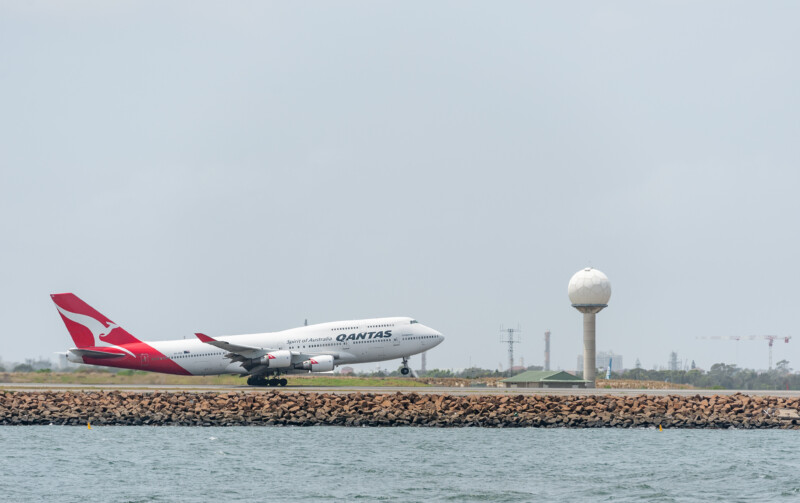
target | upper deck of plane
[{"x": 347, "y": 326}]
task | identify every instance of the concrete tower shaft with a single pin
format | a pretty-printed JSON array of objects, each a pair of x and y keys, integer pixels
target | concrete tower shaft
[
  {"x": 589, "y": 342},
  {"x": 589, "y": 349},
  {"x": 547, "y": 350}
]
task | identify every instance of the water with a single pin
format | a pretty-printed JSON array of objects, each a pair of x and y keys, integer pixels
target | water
[{"x": 184, "y": 464}]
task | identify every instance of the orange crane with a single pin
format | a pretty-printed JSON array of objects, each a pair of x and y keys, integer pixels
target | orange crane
[{"x": 770, "y": 338}]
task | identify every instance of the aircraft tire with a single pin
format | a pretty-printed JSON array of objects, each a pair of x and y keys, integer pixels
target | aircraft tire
[
  {"x": 257, "y": 381},
  {"x": 404, "y": 371},
  {"x": 283, "y": 382}
]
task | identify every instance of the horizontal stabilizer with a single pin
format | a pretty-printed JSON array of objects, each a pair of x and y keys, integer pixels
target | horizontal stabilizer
[{"x": 92, "y": 353}]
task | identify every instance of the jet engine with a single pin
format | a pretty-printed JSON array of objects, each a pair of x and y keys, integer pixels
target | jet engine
[
  {"x": 276, "y": 359},
  {"x": 322, "y": 363}
]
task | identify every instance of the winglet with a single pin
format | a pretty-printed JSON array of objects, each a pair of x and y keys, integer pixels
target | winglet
[{"x": 205, "y": 338}]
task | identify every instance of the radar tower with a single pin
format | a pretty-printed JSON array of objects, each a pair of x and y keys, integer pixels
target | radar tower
[{"x": 589, "y": 291}]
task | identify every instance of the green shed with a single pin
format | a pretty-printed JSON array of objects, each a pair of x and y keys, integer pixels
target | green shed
[{"x": 544, "y": 379}]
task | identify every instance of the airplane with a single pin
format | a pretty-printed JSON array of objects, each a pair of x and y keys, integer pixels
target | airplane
[{"x": 262, "y": 357}]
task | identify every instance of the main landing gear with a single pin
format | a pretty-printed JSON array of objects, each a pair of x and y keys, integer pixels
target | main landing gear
[
  {"x": 261, "y": 380},
  {"x": 405, "y": 370}
]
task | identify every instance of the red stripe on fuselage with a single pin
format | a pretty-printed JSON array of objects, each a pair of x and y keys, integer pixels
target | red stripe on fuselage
[{"x": 146, "y": 358}]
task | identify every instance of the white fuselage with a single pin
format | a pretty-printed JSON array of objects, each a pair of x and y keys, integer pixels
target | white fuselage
[{"x": 357, "y": 341}]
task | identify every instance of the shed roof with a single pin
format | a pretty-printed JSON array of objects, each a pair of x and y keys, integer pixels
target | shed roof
[{"x": 544, "y": 376}]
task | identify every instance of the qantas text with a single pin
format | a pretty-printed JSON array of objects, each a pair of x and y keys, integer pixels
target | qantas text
[{"x": 365, "y": 335}]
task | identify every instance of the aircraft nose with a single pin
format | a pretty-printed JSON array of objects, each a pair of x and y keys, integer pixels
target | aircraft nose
[{"x": 438, "y": 337}]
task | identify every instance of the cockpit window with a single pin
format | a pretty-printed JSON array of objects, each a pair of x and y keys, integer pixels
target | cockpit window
[{"x": 414, "y": 321}]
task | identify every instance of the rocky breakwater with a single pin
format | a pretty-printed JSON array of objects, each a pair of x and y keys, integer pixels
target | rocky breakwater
[{"x": 398, "y": 409}]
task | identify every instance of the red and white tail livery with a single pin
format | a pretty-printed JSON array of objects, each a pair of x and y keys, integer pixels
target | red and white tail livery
[{"x": 263, "y": 357}]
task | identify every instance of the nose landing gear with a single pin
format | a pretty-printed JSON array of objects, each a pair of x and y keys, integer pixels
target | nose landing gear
[{"x": 405, "y": 370}]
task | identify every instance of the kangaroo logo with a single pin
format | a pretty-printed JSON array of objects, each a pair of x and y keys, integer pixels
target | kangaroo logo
[{"x": 97, "y": 328}]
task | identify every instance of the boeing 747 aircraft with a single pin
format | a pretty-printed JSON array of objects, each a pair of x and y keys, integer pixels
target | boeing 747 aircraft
[{"x": 262, "y": 357}]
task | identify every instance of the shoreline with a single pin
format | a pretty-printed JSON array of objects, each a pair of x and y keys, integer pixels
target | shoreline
[{"x": 301, "y": 408}]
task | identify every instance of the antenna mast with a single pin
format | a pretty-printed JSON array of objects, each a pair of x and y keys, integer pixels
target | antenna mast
[{"x": 510, "y": 336}]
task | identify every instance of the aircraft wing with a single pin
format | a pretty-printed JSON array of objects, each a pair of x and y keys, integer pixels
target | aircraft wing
[
  {"x": 249, "y": 352},
  {"x": 242, "y": 353}
]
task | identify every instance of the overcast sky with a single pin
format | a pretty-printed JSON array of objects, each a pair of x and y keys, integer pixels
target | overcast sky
[{"x": 238, "y": 167}]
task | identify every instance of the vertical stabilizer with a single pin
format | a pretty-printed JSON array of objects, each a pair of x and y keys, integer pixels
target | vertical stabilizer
[{"x": 87, "y": 326}]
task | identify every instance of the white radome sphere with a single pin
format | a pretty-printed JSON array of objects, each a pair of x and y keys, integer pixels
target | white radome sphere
[{"x": 589, "y": 287}]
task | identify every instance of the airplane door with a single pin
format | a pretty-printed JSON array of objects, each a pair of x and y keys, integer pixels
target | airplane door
[{"x": 145, "y": 359}]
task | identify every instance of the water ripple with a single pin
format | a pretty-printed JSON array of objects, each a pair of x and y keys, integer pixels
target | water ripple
[{"x": 153, "y": 464}]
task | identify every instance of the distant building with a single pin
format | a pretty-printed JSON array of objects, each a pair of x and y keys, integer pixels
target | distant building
[
  {"x": 543, "y": 379},
  {"x": 601, "y": 361},
  {"x": 673, "y": 361},
  {"x": 346, "y": 371}
]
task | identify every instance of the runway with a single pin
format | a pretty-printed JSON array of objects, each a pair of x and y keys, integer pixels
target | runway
[{"x": 458, "y": 391}]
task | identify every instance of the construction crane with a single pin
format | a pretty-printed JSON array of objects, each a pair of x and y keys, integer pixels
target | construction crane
[{"x": 770, "y": 338}]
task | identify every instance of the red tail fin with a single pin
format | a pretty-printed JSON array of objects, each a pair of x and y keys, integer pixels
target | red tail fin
[{"x": 86, "y": 325}]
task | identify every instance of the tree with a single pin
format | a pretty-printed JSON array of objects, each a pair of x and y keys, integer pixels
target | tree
[
  {"x": 476, "y": 372},
  {"x": 638, "y": 364},
  {"x": 782, "y": 367},
  {"x": 439, "y": 373},
  {"x": 723, "y": 376},
  {"x": 23, "y": 367},
  {"x": 693, "y": 365}
]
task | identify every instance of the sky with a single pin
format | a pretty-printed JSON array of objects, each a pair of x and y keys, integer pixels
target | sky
[{"x": 241, "y": 167}]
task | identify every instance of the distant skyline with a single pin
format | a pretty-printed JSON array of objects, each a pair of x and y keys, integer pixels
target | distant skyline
[{"x": 191, "y": 167}]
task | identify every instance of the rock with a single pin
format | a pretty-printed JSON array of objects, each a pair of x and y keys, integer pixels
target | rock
[{"x": 306, "y": 409}]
